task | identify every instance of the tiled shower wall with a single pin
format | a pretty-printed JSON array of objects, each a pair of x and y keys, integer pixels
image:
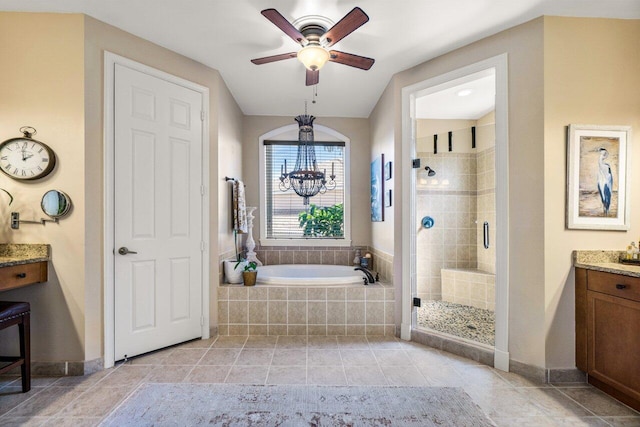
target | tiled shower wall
[
  {"x": 486, "y": 161},
  {"x": 469, "y": 287},
  {"x": 450, "y": 198},
  {"x": 460, "y": 198}
]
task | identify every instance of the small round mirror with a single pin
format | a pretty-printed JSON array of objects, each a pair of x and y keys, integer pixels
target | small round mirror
[{"x": 55, "y": 203}]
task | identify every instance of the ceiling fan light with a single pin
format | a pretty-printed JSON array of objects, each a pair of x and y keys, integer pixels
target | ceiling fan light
[{"x": 313, "y": 57}]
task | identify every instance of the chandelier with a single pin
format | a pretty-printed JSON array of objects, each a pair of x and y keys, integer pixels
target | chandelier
[{"x": 305, "y": 178}]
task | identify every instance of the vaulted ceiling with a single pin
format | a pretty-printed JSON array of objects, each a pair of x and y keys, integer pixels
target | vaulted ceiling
[{"x": 227, "y": 34}]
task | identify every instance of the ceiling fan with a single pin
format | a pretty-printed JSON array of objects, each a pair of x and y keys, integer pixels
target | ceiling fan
[{"x": 316, "y": 40}]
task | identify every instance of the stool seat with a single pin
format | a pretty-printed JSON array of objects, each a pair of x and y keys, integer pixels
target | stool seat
[
  {"x": 10, "y": 309},
  {"x": 18, "y": 313}
]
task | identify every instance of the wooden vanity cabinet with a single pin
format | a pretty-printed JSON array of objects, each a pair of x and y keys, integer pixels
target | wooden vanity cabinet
[
  {"x": 17, "y": 276},
  {"x": 608, "y": 332}
]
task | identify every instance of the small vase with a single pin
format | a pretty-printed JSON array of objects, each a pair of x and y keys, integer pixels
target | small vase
[
  {"x": 232, "y": 273},
  {"x": 249, "y": 277}
]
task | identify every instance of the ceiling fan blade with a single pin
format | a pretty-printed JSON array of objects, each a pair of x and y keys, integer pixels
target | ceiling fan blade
[
  {"x": 313, "y": 77},
  {"x": 286, "y": 26},
  {"x": 348, "y": 24},
  {"x": 351, "y": 60},
  {"x": 274, "y": 58}
]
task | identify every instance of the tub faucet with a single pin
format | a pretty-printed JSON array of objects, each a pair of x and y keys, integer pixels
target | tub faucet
[{"x": 367, "y": 273}]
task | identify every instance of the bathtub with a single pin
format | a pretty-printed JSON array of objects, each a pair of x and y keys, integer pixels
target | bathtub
[{"x": 309, "y": 275}]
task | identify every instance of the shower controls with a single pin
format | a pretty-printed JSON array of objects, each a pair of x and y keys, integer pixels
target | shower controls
[{"x": 428, "y": 222}]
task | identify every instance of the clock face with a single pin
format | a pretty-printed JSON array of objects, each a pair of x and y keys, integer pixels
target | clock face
[{"x": 26, "y": 158}]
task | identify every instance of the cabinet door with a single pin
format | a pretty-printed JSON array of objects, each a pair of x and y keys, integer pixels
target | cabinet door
[{"x": 614, "y": 342}]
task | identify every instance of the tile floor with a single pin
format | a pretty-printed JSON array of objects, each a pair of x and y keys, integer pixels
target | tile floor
[{"x": 508, "y": 399}]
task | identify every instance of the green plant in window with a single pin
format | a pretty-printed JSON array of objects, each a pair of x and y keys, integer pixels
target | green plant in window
[{"x": 322, "y": 222}]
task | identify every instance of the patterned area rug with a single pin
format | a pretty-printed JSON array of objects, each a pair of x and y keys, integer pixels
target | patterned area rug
[{"x": 255, "y": 405}]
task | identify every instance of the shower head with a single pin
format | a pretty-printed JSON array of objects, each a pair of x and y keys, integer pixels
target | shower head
[{"x": 430, "y": 171}]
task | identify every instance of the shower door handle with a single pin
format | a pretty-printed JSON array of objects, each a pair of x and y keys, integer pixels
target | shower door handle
[{"x": 485, "y": 228}]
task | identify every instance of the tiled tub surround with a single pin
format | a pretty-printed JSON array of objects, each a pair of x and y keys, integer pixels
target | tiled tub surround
[
  {"x": 326, "y": 255},
  {"x": 278, "y": 310},
  {"x": 470, "y": 287}
]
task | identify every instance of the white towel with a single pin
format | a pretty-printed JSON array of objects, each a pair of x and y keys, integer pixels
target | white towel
[{"x": 239, "y": 208}]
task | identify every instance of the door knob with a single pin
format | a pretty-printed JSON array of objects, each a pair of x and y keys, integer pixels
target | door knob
[{"x": 124, "y": 251}]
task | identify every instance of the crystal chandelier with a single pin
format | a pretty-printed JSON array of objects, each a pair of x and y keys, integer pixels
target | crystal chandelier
[{"x": 305, "y": 178}]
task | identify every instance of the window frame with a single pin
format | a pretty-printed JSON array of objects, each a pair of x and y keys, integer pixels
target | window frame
[{"x": 309, "y": 241}]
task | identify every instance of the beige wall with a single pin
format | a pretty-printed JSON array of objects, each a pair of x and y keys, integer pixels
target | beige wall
[
  {"x": 385, "y": 235},
  {"x": 591, "y": 76},
  {"x": 383, "y": 141},
  {"x": 357, "y": 130},
  {"x": 229, "y": 159},
  {"x": 56, "y": 86},
  {"x": 524, "y": 46},
  {"x": 41, "y": 85}
]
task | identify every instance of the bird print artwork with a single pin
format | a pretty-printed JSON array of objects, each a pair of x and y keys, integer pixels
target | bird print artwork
[
  {"x": 597, "y": 177},
  {"x": 599, "y": 158},
  {"x": 605, "y": 180}
]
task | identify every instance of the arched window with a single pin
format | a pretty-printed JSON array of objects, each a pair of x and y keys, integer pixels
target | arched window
[{"x": 285, "y": 219}]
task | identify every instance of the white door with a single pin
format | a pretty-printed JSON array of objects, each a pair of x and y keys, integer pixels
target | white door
[{"x": 158, "y": 213}]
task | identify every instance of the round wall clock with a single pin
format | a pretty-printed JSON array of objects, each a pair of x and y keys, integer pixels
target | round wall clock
[{"x": 24, "y": 158}]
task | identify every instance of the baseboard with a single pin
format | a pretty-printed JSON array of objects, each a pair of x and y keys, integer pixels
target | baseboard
[
  {"x": 552, "y": 375},
  {"x": 501, "y": 360},
  {"x": 63, "y": 369},
  {"x": 532, "y": 372},
  {"x": 92, "y": 366},
  {"x": 405, "y": 332},
  {"x": 564, "y": 375}
]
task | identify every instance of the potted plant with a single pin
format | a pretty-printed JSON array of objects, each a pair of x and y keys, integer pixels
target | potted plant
[
  {"x": 233, "y": 268},
  {"x": 250, "y": 273}
]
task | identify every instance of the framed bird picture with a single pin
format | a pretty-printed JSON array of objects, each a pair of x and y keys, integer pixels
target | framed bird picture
[{"x": 597, "y": 177}]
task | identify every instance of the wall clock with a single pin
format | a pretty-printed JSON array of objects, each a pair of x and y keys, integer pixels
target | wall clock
[{"x": 24, "y": 158}]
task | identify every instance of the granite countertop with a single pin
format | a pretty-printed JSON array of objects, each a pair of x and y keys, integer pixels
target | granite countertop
[
  {"x": 606, "y": 261},
  {"x": 23, "y": 253}
]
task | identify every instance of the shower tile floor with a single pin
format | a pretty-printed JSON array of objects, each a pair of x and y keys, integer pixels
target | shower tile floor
[{"x": 462, "y": 321}]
